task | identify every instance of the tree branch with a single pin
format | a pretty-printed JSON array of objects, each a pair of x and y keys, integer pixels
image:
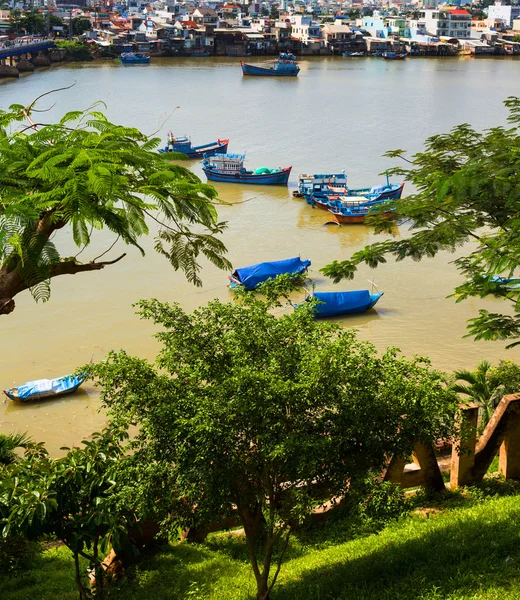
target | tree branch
[{"x": 71, "y": 267}]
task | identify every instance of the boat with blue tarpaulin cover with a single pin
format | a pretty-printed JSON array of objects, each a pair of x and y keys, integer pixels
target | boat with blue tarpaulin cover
[
  {"x": 334, "y": 304},
  {"x": 45, "y": 388},
  {"x": 252, "y": 276}
]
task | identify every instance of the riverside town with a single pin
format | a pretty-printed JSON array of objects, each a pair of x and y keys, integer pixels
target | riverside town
[{"x": 201, "y": 29}]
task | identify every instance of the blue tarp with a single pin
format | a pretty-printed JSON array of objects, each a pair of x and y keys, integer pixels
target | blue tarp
[
  {"x": 42, "y": 388},
  {"x": 344, "y": 303},
  {"x": 254, "y": 275}
]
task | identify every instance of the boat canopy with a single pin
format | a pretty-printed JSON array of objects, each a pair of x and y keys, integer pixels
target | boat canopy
[
  {"x": 254, "y": 275},
  {"x": 340, "y": 303}
]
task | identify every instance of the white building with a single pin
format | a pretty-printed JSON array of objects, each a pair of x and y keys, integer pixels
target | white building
[
  {"x": 448, "y": 23},
  {"x": 305, "y": 30},
  {"x": 506, "y": 14}
]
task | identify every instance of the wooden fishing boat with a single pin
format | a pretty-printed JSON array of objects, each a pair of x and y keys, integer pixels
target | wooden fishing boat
[
  {"x": 333, "y": 304},
  {"x": 252, "y": 276},
  {"x": 230, "y": 168},
  {"x": 318, "y": 182},
  {"x": 394, "y": 55},
  {"x": 199, "y": 54},
  {"x": 183, "y": 144},
  {"x": 356, "y": 211},
  {"x": 285, "y": 65},
  {"x": 45, "y": 388},
  {"x": 134, "y": 58},
  {"x": 335, "y": 198}
]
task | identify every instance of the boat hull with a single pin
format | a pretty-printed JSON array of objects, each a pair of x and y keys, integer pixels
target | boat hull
[
  {"x": 199, "y": 151},
  {"x": 252, "y": 276},
  {"x": 336, "y": 304},
  {"x": 267, "y": 71},
  {"x": 280, "y": 178},
  {"x": 45, "y": 388}
]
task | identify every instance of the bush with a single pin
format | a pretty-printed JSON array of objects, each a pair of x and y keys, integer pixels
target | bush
[
  {"x": 75, "y": 50},
  {"x": 17, "y": 555},
  {"x": 385, "y": 501}
]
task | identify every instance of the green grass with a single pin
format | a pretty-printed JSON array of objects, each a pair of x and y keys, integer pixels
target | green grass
[{"x": 468, "y": 548}]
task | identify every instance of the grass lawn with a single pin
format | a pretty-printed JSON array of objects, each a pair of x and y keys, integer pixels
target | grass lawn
[{"x": 458, "y": 549}]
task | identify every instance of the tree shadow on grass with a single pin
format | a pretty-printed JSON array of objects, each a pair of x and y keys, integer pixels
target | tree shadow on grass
[{"x": 465, "y": 556}]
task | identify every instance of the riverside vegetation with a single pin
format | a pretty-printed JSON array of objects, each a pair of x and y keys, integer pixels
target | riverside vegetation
[{"x": 244, "y": 415}]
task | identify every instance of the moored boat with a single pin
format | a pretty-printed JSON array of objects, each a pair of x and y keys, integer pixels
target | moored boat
[
  {"x": 200, "y": 54},
  {"x": 318, "y": 182},
  {"x": 353, "y": 211},
  {"x": 230, "y": 168},
  {"x": 252, "y": 276},
  {"x": 285, "y": 65},
  {"x": 336, "y": 198},
  {"x": 134, "y": 58},
  {"x": 394, "y": 55},
  {"x": 183, "y": 144},
  {"x": 333, "y": 304},
  {"x": 45, "y": 388}
]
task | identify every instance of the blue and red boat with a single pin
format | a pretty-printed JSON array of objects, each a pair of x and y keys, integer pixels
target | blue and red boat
[
  {"x": 285, "y": 65},
  {"x": 134, "y": 58},
  {"x": 183, "y": 145},
  {"x": 229, "y": 168}
]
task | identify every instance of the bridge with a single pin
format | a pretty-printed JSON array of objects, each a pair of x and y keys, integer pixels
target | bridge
[{"x": 25, "y": 47}]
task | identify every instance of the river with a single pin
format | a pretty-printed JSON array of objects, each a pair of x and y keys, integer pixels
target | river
[{"x": 338, "y": 114}]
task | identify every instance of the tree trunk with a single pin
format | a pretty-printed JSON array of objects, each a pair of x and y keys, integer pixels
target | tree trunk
[
  {"x": 262, "y": 589},
  {"x": 79, "y": 585}
]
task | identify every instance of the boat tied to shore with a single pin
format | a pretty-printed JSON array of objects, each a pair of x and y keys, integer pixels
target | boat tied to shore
[
  {"x": 183, "y": 145},
  {"x": 134, "y": 58},
  {"x": 394, "y": 55},
  {"x": 285, "y": 65},
  {"x": 229, "y": 168}
]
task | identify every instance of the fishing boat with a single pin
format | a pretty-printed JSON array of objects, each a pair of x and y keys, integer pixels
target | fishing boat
[
  {"x": 230, "y": 168},
  {"x": 318, "y": 182},
  {"x": 183, "y": 144},
  {"x": 394, "y": 55},
  {"x": 336, "y": 197},
  {"x": 333, "y": 304},
  {"x": 251, "y": 277},
  {"x": 285, "y": 65},
  {"x": 134, "y": 58},
  {"x": 199, "y": 54},
  {"x": 353, "y": 210},
  {"x": 45, "y": 388},
  {"x": 352, "y": 54}
]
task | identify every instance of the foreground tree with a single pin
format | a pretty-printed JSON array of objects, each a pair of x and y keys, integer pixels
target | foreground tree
[
  {"x": 84, "y": 174},
  {"x": 467, "y": 196},
  {"x": 9, "y": 443},
  {"x": 72, "y": 498},
  {"x": 245, "y": 413}
]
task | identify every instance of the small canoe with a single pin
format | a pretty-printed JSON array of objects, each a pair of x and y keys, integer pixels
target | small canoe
[
  {"x": 252, "y": 276},
  {"x": 45, "y": 388},
  {"x": 333, "y": 304}
]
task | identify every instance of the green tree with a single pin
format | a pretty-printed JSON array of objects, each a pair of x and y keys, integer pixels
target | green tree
[
  {"x": 72, "y": 498},
  {"x": 80, "y": 26},
  {"x": 84, "y": 174},
  {"x": 478, "y": 387},
  {"x": 8, "y": 444},
  {"x": 243, "y": 411},
  {"x": 467, "y": 200}
]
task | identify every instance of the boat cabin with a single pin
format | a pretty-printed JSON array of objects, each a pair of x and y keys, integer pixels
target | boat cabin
[{"x": 226, "y": 163}]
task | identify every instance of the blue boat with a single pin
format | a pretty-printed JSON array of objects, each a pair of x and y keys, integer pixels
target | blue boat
[
  {"x": 45, "y": 388},
  {"x": 134, "y": 58},
  {"x": 285, "y": 65},
  {"x": 362, "y": 196},
  {"x": 394, "y": 55},
  {"x": 199, "y": 54},
  {"x": 352, "y": 211},
  {"x": 230, "y": 168},
  {"x": 252, "y": 276},
  {"x": 183, "y": 144},
  {"x": 333, "y": 304},
  {"x": 308, "y": 184}
]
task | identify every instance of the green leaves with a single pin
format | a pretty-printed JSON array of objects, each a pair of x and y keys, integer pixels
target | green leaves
[
  {"x": 467, "y": 190},
  {"x": 92, "y": 174}
]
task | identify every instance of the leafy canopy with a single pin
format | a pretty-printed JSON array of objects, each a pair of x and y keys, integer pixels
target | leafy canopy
[
  {"x": 467, "y": 201},
  {"x": 84, "y": 174},
  {"x": 247, "y": 413}
]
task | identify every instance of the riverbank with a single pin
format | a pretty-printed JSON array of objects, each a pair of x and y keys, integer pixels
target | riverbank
[{"x": 462, "y": 546}]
